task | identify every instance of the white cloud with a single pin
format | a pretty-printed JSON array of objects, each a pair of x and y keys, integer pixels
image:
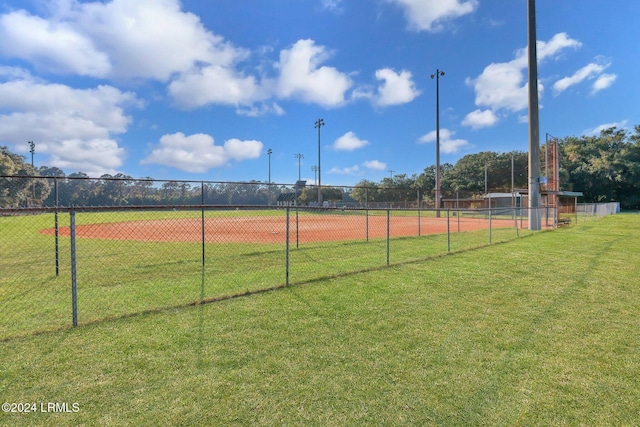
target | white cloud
[
  {"x": 52, "y": 46},
  {"x": 14, "y": 73},
  {"x": 260, "y": 110},
  {"x": 447, "y": 144},
  {"x": 157, "y": 40},
  {"x": 502, "y": 86},
  {"x": 302, "y": 77},
  {"x": 375, "y": 165},
  {"x": 603, "y": 82},
  {"x": 553, "y": 48},
  {"x": 198, "y": 153},
  {"x": 430, "y": 15},
  {"x": 349, "y": 142},
  {"x": 215, "y": 85},
  {"x": 332, "y": 5},
  {"x": 397, "y": 88},
  {"x": 480, "y": 118},
  {"x": 596, "y": 131},
  {"x": 115, "y": 39},
  {"x": 75, "y": 127},
  {"x": 243, "y": 150},
  {"x": 95, "y": 157},
  {"x": 590, "y": 71},
  {"x": 433, "y": 135},
  {"x": 352, "y": 170},
  {"x": 450, "y": 146}
]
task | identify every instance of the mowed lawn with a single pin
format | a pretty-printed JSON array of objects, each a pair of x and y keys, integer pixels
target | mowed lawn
[{"x": 543, "y": 330}]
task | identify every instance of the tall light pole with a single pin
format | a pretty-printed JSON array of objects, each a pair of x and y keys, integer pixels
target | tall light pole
[
  {"x": 314, "y": 168},
  {"x": 299, "y": 156},
  {"x": 269, "y": 152},
  {"x": 319, "y": 123},
  {"x": 32, "y": 150},
  {"x": 437, "y": 76},
  {"x": 534, "y": 123}
]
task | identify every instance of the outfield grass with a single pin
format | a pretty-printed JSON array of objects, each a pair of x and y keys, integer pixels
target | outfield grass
[
  {"x": 118, "y": 278},
  {"x": 537, "y": 331}
]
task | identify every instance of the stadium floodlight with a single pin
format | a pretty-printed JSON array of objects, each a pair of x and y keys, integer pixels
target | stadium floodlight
[
  {"x": 437, "y": 75},
  {"x": 319, "y": 123},
  {"x": 32, "y": 150},
  {"x": 299, "y": 156}
]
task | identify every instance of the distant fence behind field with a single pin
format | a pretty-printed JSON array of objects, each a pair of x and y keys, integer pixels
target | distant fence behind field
[{"x": 74, "y": 263}]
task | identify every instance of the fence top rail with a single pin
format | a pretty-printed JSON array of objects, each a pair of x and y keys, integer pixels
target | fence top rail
[
  {"x": 80, "y": 208},
  {"x": 133, "y": 208},
  {"x": 191, "y": 181}
]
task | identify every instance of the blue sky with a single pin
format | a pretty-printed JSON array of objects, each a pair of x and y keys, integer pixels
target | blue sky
[{"x": 201, "y": 90}]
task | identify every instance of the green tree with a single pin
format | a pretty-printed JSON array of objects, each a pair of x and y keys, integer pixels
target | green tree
[
  {"x": 399, "y": 188},
  {"x": 20, "y": 191},
  {"x": 77, "y": 189},
  {"x": 365, "y": 192},
  {"x": 331, "y": 194},
  {"x": 604, "y": 167},
  {"x": 426, "y": 182}
]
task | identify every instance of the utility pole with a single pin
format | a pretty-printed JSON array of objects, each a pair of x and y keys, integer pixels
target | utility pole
[
  {"x": 299, "y": 156},
  {"x": 437, "y": 76},
  {"x": 391, "y": 173},
  {"x": 319, "y": 123},
  {"x": 534, "y": 123}
]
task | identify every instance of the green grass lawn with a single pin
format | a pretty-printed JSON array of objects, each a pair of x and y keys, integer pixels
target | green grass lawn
[
  {"x": 537, "y": 331},
  {"x": 118, "y": 278}
]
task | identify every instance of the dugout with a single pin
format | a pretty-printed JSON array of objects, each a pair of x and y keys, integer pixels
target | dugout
[{"x": 287, "y": 199}]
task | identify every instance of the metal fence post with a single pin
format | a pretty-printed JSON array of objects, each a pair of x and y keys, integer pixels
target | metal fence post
[
  {"x": 203, "y": 266},
  {"x": 490, "y": 228},
  {"x": 366, "y": 205},
  {"x": 74, "y": 284},
  {"x": 286, "y": 280},
  {"x": 419, "y": 212},
  {"x": 388, "y": 234},
  {"x": 55, "y": 184},
  {"x": 448, "y": 232}
]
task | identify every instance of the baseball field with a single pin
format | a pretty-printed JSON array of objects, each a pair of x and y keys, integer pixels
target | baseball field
[{"x": 540, "y": 330}]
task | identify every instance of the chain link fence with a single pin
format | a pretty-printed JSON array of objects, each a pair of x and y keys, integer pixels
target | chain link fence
[{"x": 74, "y": 264}]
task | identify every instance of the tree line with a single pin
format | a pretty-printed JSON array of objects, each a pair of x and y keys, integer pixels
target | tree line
[
  {"x": 604, "y": 168},
  {"x": 22, "y": 185}
]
